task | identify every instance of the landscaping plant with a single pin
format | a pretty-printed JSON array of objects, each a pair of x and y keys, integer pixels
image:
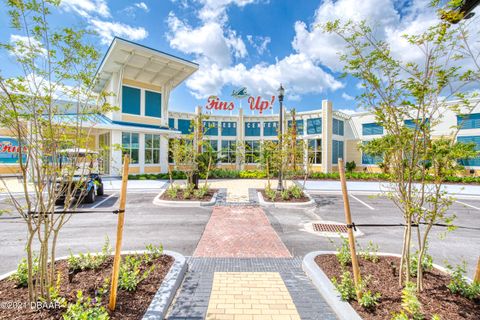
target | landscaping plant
[
  {"x": 396, "y": 89},
  {"x": 86, "y": 309},
  {"x": 346, "y": 286},
  {"x": 53, "y": 64},
  {"x": 131, "y": 273},
  {"x": 89, "y": 261},
  {"x": 370, "y": 253},
  {"x": 459, "y": 284}
]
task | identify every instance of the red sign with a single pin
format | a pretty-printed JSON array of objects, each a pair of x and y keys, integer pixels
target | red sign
[
  {"x": 258, "y": 104},
  {"x": 214, "y": 102}
]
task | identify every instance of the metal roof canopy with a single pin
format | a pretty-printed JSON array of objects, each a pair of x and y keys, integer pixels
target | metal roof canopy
[{"x": 144, "y": 64}]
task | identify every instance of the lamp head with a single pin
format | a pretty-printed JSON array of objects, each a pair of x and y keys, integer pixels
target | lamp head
[{"x": 281, "y": 93}]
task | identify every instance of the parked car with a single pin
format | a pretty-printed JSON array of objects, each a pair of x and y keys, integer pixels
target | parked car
[{"x": 86, "y": 180}]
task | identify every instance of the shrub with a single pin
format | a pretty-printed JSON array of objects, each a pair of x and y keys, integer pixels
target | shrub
[
  {"x": 89, "y": 261},
  {"x": 154, "y": 251},
  {"x": 427, "y": 263},
  {"x": 54, "y": 292},
  {"x": 130, "y": 274},
  {"x": 370, "y": 253},
  {"x": 86, "y": 308},
  {"x": 270, "y": 193},
  {"x": 343, "y": 254},
  {"x": 21, "y": 275},
  {"x": 285, "y": 194},
  {"x": 188, "y": 191},
  {"x": 459, "y": 284},
  {"x": 172, "y": 191},
  {"x": 346, "y": 286},
  {"x": 201, "y": 192},
  {"x": 252, "y": 174},
  {"x": 295, "y": 191},
  {"x": 412, "y": 308},
  {"x": 350, "y": 166},
  {"x": 369, "y": 300}
]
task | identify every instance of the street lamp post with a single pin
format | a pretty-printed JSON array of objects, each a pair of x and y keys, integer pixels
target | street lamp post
[{"x": 281, "y": 93}]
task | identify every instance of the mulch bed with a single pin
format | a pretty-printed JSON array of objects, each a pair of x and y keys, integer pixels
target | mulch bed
[
  {"x": 179, "y": 197},
  {"x": 435, "y": 299},
  {"x": 130, "y": 305},
  {"x": 278, "y": 198}
]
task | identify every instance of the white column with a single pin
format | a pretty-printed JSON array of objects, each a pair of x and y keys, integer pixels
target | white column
[
  {"x": 163, "y": 154},
  {"x": 165, "y": 101},
  {"x": 115, "y": 153},
  {"x": 326, "y": 136},
  {"x": 141, "y": 152},
  {"x": 240, "y": 136}
]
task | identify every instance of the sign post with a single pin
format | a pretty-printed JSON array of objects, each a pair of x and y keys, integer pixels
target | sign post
[
  {"x": 118, "y": 245},
  {"x": 351, "y": 237}
]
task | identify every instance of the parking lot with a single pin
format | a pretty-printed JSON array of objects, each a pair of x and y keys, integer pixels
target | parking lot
[{"x": 180, "y": 229}]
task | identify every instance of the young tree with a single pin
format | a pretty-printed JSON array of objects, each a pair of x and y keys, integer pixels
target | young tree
[
  {"x": 396, "y": 90},
  {"x": 56, "y": 71}
]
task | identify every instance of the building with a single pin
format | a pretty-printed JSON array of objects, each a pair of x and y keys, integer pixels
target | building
[{"x": 142, "y": 79}]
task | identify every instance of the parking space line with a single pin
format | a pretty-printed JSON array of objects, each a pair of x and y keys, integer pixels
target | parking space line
[
  {"x": 366, "y": 205},
  {"x": 468, "y": 205},
  {"x": 97, "y": 204}
]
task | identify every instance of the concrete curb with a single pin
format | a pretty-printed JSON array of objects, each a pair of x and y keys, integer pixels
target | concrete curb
[
  {"x": 170, "y": 203},
  {"x": 164, "y": 295},
  {"x": 342, "y": 309},
  {"x": 320, "y": 280},
  {"x": 163, "y": 298},
  {"x": 291, "y": 205}
]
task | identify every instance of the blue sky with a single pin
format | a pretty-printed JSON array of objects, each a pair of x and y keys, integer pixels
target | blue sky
[{"x": 252, "y": 43}]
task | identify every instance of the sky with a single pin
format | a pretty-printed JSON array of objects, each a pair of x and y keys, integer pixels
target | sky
[{"x": 256, "y": 44}]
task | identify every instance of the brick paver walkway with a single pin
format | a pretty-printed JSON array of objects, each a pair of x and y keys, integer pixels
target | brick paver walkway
[
  {"x": 240, "y": 231},
  {"x": 195, "y": 294},
  {"x": 242, "y": 270},
  {"x": 250, "y": 296}
]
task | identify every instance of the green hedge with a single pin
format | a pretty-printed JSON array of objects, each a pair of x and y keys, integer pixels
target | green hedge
[{"x": 258, "y": 174}]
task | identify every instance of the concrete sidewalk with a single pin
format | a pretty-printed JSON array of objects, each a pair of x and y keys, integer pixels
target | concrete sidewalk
[{"x": 378, "y": 187}]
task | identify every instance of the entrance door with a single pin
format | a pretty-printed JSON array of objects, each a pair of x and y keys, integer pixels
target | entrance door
[{"x": 104, "y": 146}]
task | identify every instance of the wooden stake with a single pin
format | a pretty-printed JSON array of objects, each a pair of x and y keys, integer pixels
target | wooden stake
[
  {"x": 477, "y": 272},
  {"x": 351, "y": 238},
  {"x": 118, "y": 245}
]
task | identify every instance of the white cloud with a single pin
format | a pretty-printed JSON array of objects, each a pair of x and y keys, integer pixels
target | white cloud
[
  {"x": 23, "y": 46},
  {"x": 142, "y": 5},
  {"x": 215, "y": 45},
  {"x": 107, "y": 30},
  {"x": 259, "y": 43},
  {"x": 87, "y": 8},
  {"x": 297, "y": 73},
  {"x": 347, "y": 96},
  {"x": 209, "y": 42},
  {"x": 215, "y": 10},
  {"x": 324, "y": 48}
]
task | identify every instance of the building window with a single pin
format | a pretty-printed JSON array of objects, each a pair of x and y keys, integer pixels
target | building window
[
  {"x": 252, "y": 129},
  {"x": 314, "y": 126},
  {"x": 471, "y": 121},
  {"x": 184, "y": 125},
  {"x": 369, "y": 129},
  {"x": 210, "y": 128},
  {"x": 315, "y": 151},
  {"x": 472, "y": 162},
  {"x": 338, "y": 127},
  {"x": 229, "y": 151},
  {"x": 171, "y": 123},
  {"x": 170, "y": 150},
  {"x": 210, "y": 144},
  {"x": 130, "y": 146},
  {"x": 153, "y": 104},
  {"x": 131, "y": 100},
  {"x": 152, "y": 149},
  {"x": 229, "y": 129},
  {"x": 252, "y": 151},
  {"x": 370, "y": 159},
  {"x": 337, "y": 151},
  {"x": 299, "y": 124},
  {"x": 412, "y": 124},
  {"x": 270, "y": 128}
]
